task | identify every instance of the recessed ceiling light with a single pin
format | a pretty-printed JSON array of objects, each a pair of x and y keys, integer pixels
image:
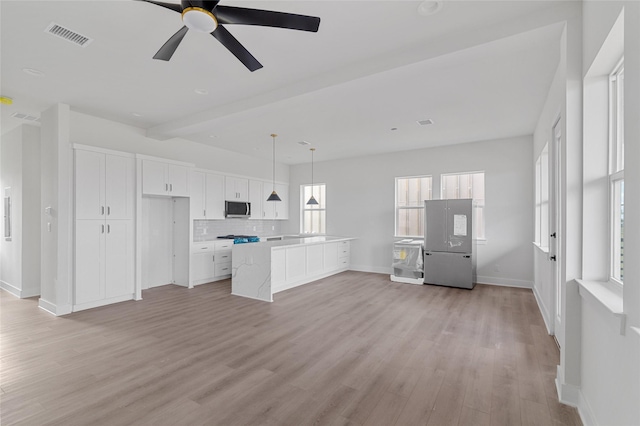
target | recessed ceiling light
[
  {"x": 201, "y": 91},
  {"x": 394, "y": 128},
  {"x": 304, "y": 143},
  {"x": 136, "y": 114},
  {"x": 425, "y": 122},
  {"x": 430, "y": 7},
  {"x": 213, "y": 136},
  {"x": 33, "y": 72}
]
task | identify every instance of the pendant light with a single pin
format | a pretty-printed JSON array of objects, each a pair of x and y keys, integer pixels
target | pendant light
[
  {"x": 274, "y": 194},
  {"x": 312, "y": 200}
]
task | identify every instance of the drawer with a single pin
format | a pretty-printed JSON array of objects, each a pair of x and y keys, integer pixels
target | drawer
[
  {"x": 223, "y": 256},
  {"x": 224, "y": 245},
  {"x": 203, "y": 247},
  {"x": 344, "y": 249},
  {"x": 222, "y": 269},
  {"x": 343, "y": 262}
]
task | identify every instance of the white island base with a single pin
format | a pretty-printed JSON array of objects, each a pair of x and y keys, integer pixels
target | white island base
[{"x": 259, "y": 270}]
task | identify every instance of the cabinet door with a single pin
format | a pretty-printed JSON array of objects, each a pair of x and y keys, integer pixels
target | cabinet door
[
  {"x": 214, "y": 199},
  {"x": 89, "y": 185},
  {"x": 197, "y": 196},
  {"x": 296, "y": 263},
  {"x": 268, "y": 207},
  {"x": 282, "y": 207},
  {"x": 203, "y": 266},
  {"x": 242, "y": 188},
  {"x": 315, "y": 259},
  {"x": 119, "y": 187},
  {"x": 119, "y": 242},
  {"x": 178, "y": 180},
  {"x": 255, "y": 198},
  {"x": 89, "y": 261},
  {"x": 330, "y": 256},
  {"x": 154, "y": 178}
]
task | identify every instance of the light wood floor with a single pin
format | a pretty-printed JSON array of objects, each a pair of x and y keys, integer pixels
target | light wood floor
[{"x": 352, "y": 349}]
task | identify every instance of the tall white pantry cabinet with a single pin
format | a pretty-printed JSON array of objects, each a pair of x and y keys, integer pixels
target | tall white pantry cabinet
[{"x": 104, "y": 184}]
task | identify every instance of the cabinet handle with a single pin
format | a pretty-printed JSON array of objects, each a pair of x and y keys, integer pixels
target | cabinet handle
[
  {"x": 102, "y": 228},
  {"x": 108, "y": 210},
  {"x": 166, "y": 187},
  {"x": 204, "y": 213},
  {"x": 170, "y": 187},
  {"x": 101, "y": 210},
  {"x": 213, "y": 258},
  {"x": 108, "y": 229}
]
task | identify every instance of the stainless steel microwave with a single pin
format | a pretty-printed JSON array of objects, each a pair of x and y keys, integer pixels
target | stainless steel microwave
[{"x": 237, "y": 209}]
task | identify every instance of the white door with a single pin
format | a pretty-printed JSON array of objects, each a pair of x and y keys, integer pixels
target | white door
[
  {"x": 214, "y": 198},
  {"x": 555, "y": 226},
  {"x": 119, "y": 242},
  {"x": 89, "y": 185},
  {"x": 119, "y": 187},
  {"x": 89, "y": 261}
]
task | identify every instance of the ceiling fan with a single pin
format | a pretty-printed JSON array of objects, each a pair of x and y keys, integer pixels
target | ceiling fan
[{"x": 209, "y": 17}]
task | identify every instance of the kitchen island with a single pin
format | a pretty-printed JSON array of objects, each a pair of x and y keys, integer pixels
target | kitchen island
[{"x": 259, "y": 270}]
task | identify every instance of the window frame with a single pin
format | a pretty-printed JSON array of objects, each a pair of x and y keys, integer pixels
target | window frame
[
  {"x": 397, "y": 208},
  {"x": 616, "y": 173},
  {"x": 304, "y": 207},
  {"x": 477, "y": 236}
]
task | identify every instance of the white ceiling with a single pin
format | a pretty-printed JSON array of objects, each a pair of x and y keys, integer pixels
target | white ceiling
[{"x": 478, "y": 69}]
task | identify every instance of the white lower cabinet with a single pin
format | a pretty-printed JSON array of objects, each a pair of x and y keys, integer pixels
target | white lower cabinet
[
  {"x": 211, "y": 261},
  {"x": 104, "y": 256},
  {"x": 294, "y": 266}
]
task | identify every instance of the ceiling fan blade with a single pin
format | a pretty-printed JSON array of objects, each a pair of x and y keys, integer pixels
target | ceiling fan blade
[
  {"x": 168, "y": 49},
  {"x": 172, "y": 6},
  {"x": 266, "y": 18},
  {"x": 233, "y": 45}
]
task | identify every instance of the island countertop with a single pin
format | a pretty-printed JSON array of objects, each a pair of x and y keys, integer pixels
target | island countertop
[{"x": 261, "y": 269}]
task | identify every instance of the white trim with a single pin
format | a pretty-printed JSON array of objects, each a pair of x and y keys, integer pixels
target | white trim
[
  {"x": 572, "y": 396},
  {"x": 387, "y": 270},
  {"x": 604, "y": 295},
  {"x": 306, "y": 280},
  {"x": 166, "y": 160},
  {"x": 546, "y": 316},
  {"x": 102, "y": 150},
  {"x": 504, "y": 282},
  {"x": 103, "y": 302},
  {"x": 54, "y": 309},
  {"x": 252, "y": 297}
]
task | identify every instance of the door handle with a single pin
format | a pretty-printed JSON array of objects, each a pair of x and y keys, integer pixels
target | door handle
[
  {"x": 553, "y": 235},
  {"x": 553, "y": 258}
]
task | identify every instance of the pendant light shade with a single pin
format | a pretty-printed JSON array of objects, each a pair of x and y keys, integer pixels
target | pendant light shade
[
  {"x": 312, "y": 200},
  {"x": 274, "y": 194}
]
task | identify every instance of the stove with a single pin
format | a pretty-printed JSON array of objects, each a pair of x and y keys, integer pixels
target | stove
[{"x": 240, "y": 239}]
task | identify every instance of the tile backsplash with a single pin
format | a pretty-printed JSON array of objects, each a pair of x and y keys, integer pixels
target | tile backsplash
[{"x": 208, "y": 230}]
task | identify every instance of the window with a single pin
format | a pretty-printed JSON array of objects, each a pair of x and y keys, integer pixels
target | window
[
  {"x": 314, "y": 216},
  {"x": 616, "y": 171},
  {"x": 542, "y": 199},
  {"x": 411, "y": 192},
  {"x": 467, "y": 185}
]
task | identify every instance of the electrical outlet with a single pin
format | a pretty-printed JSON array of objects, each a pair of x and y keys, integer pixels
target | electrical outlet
[
  {"x": 254, "y": 228},
  {"x": 273, "y": 228}
]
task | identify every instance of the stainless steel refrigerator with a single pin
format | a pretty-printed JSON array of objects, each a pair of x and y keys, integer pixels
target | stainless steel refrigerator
[{"x": 449, "y": 249}]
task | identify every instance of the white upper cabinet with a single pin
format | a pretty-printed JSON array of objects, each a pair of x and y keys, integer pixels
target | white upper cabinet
[
  {"x": 159, "y": 178},
  {"x": 275, "y": 209},
  {"x": 104, "y": 186},
  {"x": 236, "y": 189},
  {"x": 207, "y": 201},
  {"x": 255, "y": 198},
  {"x": 214, "y": 196}
]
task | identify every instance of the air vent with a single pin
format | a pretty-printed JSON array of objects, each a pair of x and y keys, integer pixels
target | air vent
[
  {"x": 68, "y": 35},
  {"x": 26, "y": 117},
  {"x": 425, "y": 122}
]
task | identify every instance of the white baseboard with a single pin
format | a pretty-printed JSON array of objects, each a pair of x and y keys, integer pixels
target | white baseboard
[
  {"x": 572, "y": 395},
  {"x": 372, "y": 269},
  {"x": 504, "y": 282},
  {"x": 544, "y": 311},
  {"x": 22, "y": 294},
  {"x": 53, "y": 309},
  {"x": 104, "y": 302}
]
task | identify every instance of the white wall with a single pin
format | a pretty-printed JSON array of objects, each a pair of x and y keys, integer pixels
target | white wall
[
  {"x": 89, "y": 130},
  {"x": 20, "y": 256},
  {"x": 361, "y": 193}
]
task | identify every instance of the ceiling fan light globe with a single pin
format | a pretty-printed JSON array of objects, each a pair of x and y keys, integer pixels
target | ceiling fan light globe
[{"x": 199, "y": 19}]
